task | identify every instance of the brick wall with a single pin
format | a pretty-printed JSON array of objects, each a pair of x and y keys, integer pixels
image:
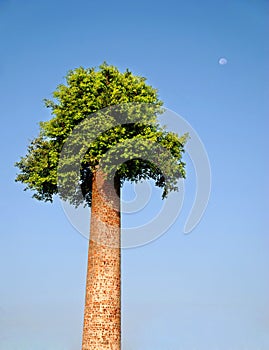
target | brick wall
[{"x": 102, "y": 315}]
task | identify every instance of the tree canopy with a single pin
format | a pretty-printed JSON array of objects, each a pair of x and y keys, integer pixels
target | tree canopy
[{"x": 101, "y": 117}]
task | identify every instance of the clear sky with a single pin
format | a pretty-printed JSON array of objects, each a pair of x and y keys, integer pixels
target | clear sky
[{"x": 204, "y": 291}]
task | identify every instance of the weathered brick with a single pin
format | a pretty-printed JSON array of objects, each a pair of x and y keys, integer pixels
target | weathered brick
[{"x": 102, "y": 315}]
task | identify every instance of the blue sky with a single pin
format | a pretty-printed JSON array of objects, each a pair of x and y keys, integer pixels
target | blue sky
[{"x": 203, "y": 291}]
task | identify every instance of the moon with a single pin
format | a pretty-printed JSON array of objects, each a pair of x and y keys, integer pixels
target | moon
[{"x": 223, "y": 61}]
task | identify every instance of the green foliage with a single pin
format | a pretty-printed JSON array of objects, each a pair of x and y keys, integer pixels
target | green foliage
[{"x": 101, "y": 117}]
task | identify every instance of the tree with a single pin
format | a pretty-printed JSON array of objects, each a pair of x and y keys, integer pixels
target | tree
[{"x": 104, "y": 130}]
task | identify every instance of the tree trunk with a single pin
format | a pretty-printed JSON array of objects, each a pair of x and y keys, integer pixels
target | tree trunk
[{"x": 102, "y": 314}]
